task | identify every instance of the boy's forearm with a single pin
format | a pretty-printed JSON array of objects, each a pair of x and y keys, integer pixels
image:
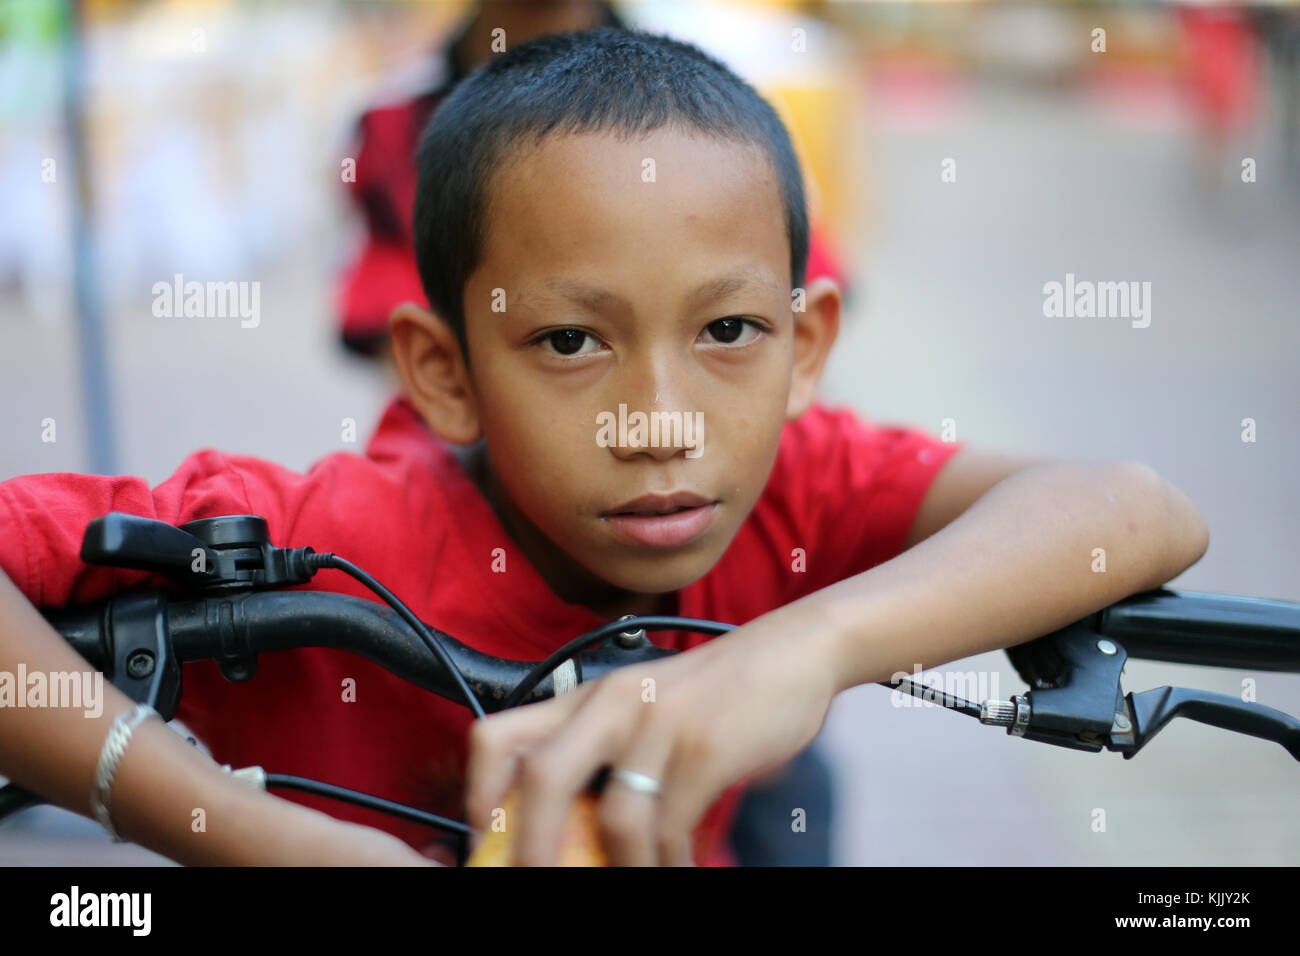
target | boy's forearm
[
  {"x": 1019, "y": 563},
  {"x": 173, "y": 799},
  {"x": 164, "y": 787},
  {"x": 161, "y": 779}
]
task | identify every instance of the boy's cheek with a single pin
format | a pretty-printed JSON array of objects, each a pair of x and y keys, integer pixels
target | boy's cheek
[{"x": 534, "y": 422}]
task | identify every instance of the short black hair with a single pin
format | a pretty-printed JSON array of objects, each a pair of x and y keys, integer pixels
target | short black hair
[{"x": 590, "y": 81}]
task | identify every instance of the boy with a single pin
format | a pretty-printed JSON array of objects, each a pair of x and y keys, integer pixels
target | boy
[
  {"x": 383, "y": 191},
  {"x": 386, "y": 273},
  {"x": 607, "y": 223}
]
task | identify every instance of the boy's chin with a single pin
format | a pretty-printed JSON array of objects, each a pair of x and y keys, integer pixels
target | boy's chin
[{"x": 655, "y": 574}]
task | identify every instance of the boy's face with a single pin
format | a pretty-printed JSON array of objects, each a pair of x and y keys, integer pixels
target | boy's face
[{"x": 620, "y": 280}]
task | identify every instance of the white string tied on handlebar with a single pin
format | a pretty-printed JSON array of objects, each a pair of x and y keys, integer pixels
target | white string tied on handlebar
[{"x": 565, "y": 677}]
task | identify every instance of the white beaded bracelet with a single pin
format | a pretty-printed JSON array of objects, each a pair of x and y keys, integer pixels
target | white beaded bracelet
[{"x": 109, "y": 757}]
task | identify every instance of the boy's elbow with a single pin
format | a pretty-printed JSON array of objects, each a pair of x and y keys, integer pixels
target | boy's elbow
[{"x": 1184, "y": 535}]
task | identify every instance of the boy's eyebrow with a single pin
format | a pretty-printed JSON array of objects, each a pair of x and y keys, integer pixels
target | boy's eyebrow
[{"x": 597, "y": 299}]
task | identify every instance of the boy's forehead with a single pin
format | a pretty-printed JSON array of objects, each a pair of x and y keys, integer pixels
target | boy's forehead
[
  {"x": 667, "y": 144},
  {"x": 600, "y": 203}
]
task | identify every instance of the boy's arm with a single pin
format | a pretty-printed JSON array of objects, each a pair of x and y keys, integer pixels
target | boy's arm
[
  {"x": 1005, "y": 550},
  {"x": 161, "y": 779},
  {"x": 1013, "y": 565},
  {"x": 959, "y": 483}
]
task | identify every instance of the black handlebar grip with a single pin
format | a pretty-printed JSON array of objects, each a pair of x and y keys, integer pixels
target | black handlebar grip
[
  {"x": 1213, "y": 630},
  {"x": 84, "y": 629},
  {"x": 14, "y": 798}
]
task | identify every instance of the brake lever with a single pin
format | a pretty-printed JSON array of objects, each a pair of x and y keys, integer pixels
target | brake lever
[
  {"x": 1078, "y": 700},
  {"x": 1149, "y": 711}
]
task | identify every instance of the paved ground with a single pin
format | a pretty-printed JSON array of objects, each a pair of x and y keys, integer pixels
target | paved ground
[{"x": 951, "y": 325}]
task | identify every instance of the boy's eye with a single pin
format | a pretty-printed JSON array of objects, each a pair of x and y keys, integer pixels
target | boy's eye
[
  {"x": 567, "y": 341},
  {"x": 732, "y": 331}
]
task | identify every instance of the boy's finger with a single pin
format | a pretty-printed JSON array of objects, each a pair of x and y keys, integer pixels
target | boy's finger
[
  {"x": 560, "y": 768},
  {"x": 629, "y": 816},
  {"x": 695, "y": 786},
  {"x": 677, "y": 850},
  {"x": 496, "y": 743}
]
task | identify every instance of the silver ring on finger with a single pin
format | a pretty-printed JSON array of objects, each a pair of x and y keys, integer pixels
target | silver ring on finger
[{"x": 636, "y": 781}]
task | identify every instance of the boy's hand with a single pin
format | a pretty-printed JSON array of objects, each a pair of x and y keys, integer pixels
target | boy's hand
[{"x": 697, "y": 723}]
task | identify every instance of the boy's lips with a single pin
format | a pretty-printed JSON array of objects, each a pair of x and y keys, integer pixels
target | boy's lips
[{"x": 661, "y": 521}]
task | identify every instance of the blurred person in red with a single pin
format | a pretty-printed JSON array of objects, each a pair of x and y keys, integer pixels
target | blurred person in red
[
  {"x": 385, "y": 275},
  {"x": 1223, "y": 63}
]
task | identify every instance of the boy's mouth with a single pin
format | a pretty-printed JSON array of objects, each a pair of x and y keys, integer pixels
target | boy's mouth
[{"x": 661, "y": 521}]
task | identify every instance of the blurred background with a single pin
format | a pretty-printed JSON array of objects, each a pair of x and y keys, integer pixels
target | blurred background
[{"x": 961, "y": 156}]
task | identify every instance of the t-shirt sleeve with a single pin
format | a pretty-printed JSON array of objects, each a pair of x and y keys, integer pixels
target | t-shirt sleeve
[
  {"x": 851, "y": 489},
  {"x": 43, "y": 519}
]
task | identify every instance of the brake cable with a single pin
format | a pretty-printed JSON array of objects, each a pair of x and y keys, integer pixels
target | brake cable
[
  {"x": 540, "y": 671},
  {"x": 330, "y": 560}
]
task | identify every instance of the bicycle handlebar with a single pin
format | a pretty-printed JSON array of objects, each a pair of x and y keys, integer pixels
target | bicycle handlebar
[
  {"x": 139, "y": 640},
  {"x": 233, "y": 629},
  {"x": 1213, "y": 630},
  {"x": 1210, "y": 630}
]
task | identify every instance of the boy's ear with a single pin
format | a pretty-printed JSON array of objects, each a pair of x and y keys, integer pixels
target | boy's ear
[
  {"x": 815, "y": 328},
  {"x": 433, "y": 373}
]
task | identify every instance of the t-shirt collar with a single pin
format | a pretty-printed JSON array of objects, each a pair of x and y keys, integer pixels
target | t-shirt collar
[{"x": 528, "y": 607}]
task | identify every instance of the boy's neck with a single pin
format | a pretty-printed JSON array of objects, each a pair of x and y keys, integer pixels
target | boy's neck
[{"x": 569, "y": 581}]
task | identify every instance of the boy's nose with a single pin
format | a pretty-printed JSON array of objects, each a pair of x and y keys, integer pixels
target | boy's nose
[
  {"x": 656, "y": 435},
  {"x": 654, "y": 421}
]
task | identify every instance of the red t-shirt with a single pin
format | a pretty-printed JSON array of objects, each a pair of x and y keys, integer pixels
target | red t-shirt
[{"x": 843, "y": 490}]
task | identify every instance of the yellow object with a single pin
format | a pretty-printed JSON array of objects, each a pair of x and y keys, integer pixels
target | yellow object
[
  {"x": 816, "y": 116},
  {"x": 580, "y": 847}
]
